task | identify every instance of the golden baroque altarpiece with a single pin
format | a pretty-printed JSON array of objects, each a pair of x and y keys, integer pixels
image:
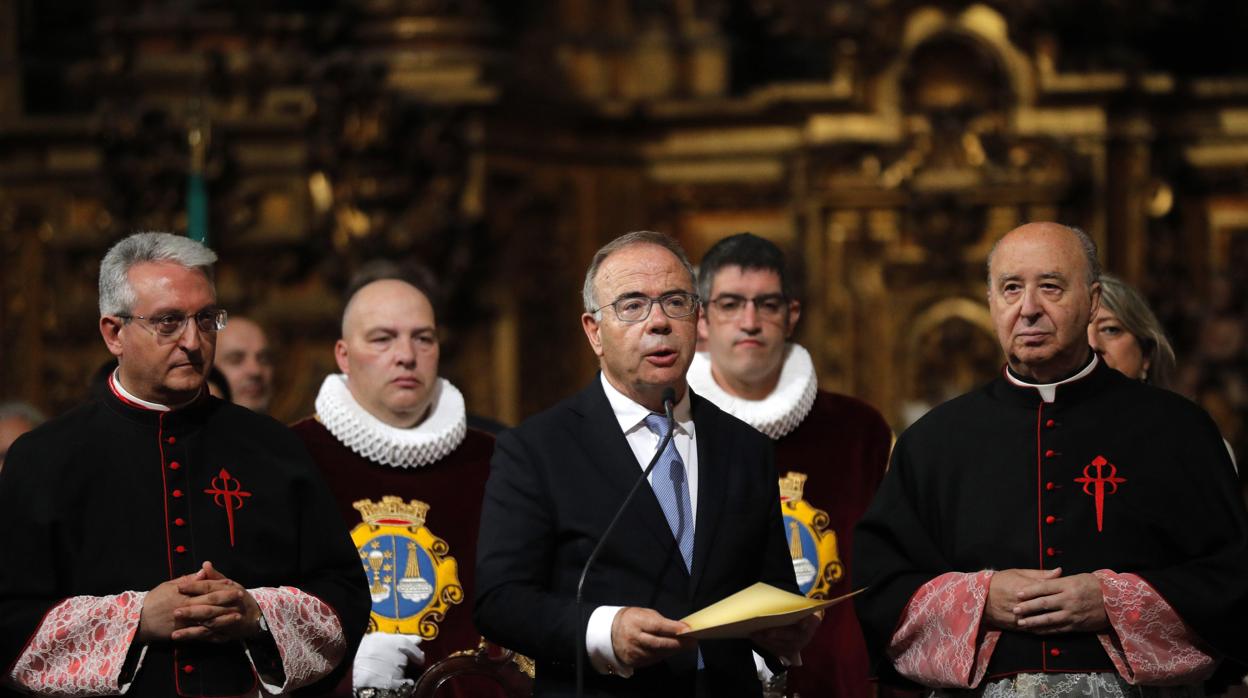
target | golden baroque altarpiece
[{"x": 886, "y": 144}]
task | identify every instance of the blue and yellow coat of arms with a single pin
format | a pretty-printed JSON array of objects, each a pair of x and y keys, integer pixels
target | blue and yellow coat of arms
[
  {"x": 816, "y": 559},
  {"x": 411, "y": 578}
]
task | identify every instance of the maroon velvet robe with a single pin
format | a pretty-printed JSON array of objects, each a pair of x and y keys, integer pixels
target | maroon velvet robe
[
  {"x": 451, "y": 486},
  {"x": 842, "y": 446}
]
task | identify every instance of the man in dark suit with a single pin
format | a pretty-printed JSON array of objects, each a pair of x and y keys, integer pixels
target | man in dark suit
[{"x": 557, "y": 480}]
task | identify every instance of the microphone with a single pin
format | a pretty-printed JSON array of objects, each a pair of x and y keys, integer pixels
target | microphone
[{"x": 669, "y": 403}]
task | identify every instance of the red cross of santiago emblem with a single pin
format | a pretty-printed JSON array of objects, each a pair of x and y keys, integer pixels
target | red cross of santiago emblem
[
  {"x": 227, "y": 493},
  {"x": 1095, "y": 485}
]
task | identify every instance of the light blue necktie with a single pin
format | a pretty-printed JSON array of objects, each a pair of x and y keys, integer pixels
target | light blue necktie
[{"x": 672, "y": 490}]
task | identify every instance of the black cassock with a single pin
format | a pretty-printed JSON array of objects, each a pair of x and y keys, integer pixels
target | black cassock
[
  {"x": 1114, "y": 474},
  {"x": 112, "y": 497}
]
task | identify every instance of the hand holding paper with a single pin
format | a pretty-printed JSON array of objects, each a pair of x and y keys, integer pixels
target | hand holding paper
[
  {"x": 787, "y": 641},
  {"x": 642, "y": 636}
]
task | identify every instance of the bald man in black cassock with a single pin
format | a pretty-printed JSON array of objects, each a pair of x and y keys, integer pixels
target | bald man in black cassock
[{"x": 1063, "y": 530}]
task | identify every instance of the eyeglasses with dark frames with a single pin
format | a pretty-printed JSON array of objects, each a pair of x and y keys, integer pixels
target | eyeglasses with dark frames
[
  {"x": 637, "y": 308},
  {"x": 771, "y": 306}
]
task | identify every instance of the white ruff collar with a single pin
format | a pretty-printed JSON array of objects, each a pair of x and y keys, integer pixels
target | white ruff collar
[
  {"x": 775, "y": 415},
  {"x": 441, "y": 432}
]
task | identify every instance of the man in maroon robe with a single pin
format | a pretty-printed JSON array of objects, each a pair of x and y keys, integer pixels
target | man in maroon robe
[
  {"x": 391, "y": 438},
  {"x": 831, "y": 449}
]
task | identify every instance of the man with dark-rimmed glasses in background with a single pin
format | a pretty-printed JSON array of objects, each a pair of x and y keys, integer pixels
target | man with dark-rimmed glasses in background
[
  {"x": 831, "y": 449},
  {"x": 158, "y": 541}
]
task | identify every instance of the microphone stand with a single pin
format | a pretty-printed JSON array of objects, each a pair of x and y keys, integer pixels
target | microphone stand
[{"x": 669, "y": 399}]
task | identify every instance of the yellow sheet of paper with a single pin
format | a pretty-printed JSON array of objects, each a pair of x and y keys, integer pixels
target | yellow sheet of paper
[{"x": 754, "y": 608}]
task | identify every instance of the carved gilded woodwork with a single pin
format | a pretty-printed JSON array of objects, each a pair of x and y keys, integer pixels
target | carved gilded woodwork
[{"x": 885, "y": 145}]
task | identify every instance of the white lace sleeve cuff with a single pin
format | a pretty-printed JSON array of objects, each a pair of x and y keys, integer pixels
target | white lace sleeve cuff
[
  {"x": 937, "y": 642},
  {"x": 81, "y": 646},
  {"x": 307, "y": 633},
  {"x": 1150, "y": 644}
]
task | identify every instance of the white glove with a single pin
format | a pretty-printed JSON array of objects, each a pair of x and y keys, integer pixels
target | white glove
[{"x": 382, "y": 659}]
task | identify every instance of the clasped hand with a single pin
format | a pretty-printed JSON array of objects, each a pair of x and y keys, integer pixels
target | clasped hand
[
  {"x": 203, "y": 606},
  {"x": 1045, "y": 603}
]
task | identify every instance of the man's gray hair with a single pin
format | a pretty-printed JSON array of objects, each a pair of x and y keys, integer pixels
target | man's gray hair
[
  {"x": 22, "y": 410},
  {"x": 1089, "y": 254},
  {"x": 639, "y": 237},
  {"x": 117, "y": 296}
]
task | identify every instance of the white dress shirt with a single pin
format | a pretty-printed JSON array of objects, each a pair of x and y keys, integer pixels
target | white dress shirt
[{"x": 643, "y": 442}]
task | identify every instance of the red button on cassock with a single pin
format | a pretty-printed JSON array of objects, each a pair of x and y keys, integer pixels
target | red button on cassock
[
  {"x": 187, "y": 668},
  {"x": 1050, "y": 552},
  {"x": 177, "y": 493},
  {"x": 171, "y": 440},
  {"x": 1050, "y": 519},
  {"x": 1055, "y": 652},
  {"x": 1049, "y": 486},
  {"x": 1050, "y": 424},
  {"x": 180, "y": 548},
  {"x": 175, "y": 465},
  {"x": 1050, "y": 453},
  {"x": 179, "y": 522}
]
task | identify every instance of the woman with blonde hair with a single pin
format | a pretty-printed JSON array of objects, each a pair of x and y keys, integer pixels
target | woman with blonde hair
[{"x": 1128, "y": 336}]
